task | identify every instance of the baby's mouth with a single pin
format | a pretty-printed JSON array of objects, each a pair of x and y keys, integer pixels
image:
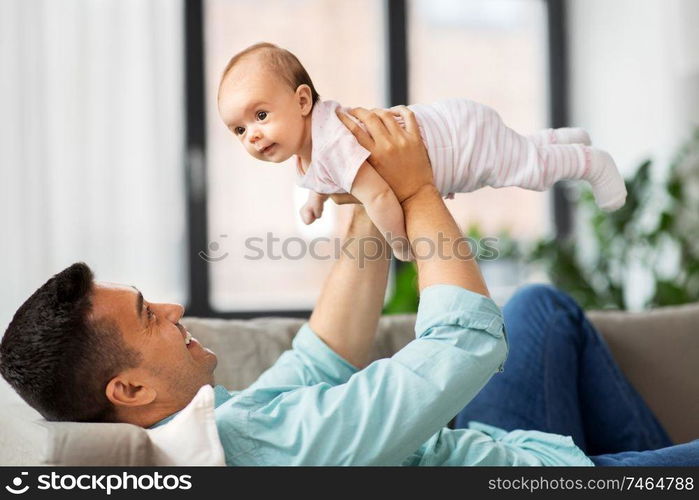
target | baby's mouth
[{"x": 266, "y": 150}]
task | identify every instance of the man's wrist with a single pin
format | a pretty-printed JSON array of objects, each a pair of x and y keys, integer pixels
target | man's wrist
[
  {"x": 427, "y": 191},
  {"x": 368, "y": 239},
  {"x": 361, "y": 223}
]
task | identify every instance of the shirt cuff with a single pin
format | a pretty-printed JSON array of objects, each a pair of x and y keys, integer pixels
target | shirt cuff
[
  {"x": 311, "y": 345},
  {"x": 453, "y": 305}
]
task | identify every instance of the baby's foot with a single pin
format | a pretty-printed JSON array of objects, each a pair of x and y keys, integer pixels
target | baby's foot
[
  {"x": 565, "y": 135},
  {"x": 607, "y": 183},
  {"x": 571, "y": 135}
]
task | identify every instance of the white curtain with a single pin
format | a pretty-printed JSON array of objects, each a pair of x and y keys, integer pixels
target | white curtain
[{"x": 91, "y": 144}]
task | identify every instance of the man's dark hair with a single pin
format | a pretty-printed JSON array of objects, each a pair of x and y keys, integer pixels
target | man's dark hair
[{"x": 57, "y": 357}]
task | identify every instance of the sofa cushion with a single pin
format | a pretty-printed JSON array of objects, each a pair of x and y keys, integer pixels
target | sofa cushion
[
  {"x": 86, "y": 444},
  {"x": 22, "y": 440},
  {"x": 28, "y": 439},
  {"x": 658, "y": 351},
  {"x": 246, "y": 348}
]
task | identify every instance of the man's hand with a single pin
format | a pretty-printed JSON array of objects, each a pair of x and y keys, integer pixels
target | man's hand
[{"x": 397, "y": 154}]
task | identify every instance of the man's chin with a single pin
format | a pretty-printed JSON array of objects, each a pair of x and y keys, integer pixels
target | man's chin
[
  {"x": 211, "y": 378},
  {"x": 213, "y": 362}
]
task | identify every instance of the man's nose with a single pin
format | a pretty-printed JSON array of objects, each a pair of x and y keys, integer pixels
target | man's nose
[{"x": 173, "y": 312}]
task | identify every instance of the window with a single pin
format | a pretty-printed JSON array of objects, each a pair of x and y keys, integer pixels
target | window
[
  {"x": 252, "y": 204},
  {"x": 92, "y": 142},
  {"x": 493, "y": 52}
]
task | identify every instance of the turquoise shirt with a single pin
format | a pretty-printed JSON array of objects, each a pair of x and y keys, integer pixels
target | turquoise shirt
[{"x": 312, "y": 407}]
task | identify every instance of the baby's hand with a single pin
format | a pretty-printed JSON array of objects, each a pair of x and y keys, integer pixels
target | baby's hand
[
  {"x": 309, "y": 213},
  {"x": 313, "y": 208}
]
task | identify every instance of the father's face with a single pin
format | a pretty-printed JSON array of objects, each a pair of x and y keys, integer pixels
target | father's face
[{"x": 171, "y": 372}]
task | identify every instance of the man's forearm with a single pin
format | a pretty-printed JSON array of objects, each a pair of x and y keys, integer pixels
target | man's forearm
[
  {"x": 443, "y": 256},
  {"x": 348, "y": 310}
]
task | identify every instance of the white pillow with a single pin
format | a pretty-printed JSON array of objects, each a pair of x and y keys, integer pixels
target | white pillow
[{"x": 191, "y": 437}]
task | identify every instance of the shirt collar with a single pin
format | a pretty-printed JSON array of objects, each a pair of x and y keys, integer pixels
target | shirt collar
[{"x": 221, "y": 395}]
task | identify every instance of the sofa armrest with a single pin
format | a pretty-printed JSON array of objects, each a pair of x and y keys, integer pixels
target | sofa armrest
[{"x": 658, "y": 351}]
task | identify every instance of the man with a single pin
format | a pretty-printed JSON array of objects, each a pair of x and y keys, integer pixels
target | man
[{"x": 86, "y": 351}]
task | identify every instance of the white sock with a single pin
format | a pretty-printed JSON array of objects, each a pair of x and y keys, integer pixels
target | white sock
[
  {"x": 565, "y": 135},
  {"x": 571, "y": 135},
  {"x": 607, "y": 183}
]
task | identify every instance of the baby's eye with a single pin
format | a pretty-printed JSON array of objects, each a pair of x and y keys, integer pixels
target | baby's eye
[
  {"x": 261, "y": 115},
  {"x": 239, "y": 130}
]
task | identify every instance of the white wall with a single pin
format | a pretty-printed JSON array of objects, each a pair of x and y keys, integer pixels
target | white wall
[
  {"x": 634, "y": 78},
  {"x": 91, "y": 143},
  {"x": 634, "y": 75}
]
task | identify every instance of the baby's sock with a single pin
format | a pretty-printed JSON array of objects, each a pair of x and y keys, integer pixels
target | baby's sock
[
  {"x": 607, "y": 183},
  {"x": 572, "y": 135},
  {"x": 565, "y": 135}
]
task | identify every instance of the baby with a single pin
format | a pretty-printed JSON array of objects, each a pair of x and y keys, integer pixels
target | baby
[{"x": 268, "y": 101}]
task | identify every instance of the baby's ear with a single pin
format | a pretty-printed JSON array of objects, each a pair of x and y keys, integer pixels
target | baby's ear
[{"x": 304, "y": 98}]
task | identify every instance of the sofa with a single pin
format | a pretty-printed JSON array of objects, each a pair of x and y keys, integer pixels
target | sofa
[{"x": 658, "y": 350}]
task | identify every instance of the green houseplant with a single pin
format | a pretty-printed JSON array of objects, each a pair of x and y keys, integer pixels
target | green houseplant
[{"x": 657, "y": 228}]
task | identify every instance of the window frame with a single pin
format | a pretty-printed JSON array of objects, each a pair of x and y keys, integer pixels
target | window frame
[{"x": 198, "y": 293}]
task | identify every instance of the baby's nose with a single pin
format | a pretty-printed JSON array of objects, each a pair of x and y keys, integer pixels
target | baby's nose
[{"x": 255, "y": 135}]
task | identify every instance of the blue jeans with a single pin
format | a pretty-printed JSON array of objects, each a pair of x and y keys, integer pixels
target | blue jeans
[{"x": 560, "y": 377}]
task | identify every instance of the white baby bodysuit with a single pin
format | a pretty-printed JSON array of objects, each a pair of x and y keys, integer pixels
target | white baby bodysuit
[{"x": 469, "y": 147}]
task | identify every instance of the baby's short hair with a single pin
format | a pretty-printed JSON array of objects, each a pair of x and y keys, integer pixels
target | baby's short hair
[{"x": 280, "y": 61}]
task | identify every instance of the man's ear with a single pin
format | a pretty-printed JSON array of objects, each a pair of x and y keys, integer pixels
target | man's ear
[
  {"x": 124, "y": 390},
  {"x": 305, "y": 98}
]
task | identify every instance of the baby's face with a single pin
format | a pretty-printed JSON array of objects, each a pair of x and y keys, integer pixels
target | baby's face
[{"x": 262, "y": 112}]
